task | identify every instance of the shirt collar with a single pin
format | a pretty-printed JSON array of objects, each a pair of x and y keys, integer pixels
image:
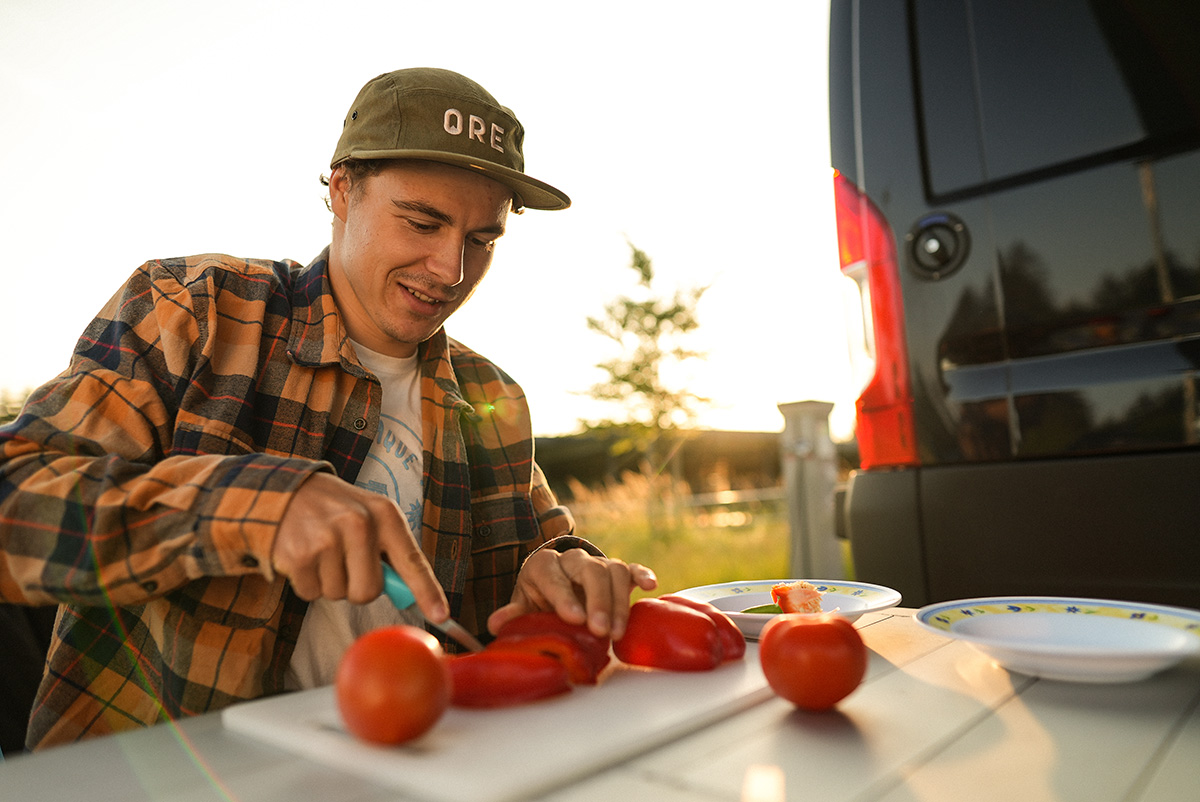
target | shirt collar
[
  {"x": 437, "y": 366},
  {"x": 319, "y": 338}
]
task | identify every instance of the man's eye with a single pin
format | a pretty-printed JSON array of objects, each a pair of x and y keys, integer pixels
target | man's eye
[
  {"x": 422, "y": 227},
  {"x": 486, "y": 243}
]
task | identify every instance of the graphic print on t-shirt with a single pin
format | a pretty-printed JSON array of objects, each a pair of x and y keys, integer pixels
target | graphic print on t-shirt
[{"x": 393, "y": 467}]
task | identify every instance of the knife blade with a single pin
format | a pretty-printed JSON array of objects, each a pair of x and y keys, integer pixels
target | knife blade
[{"x": 395, "y": 589}]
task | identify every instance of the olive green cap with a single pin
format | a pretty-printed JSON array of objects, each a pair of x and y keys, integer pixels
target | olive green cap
[{"x": 439, "y": 115}]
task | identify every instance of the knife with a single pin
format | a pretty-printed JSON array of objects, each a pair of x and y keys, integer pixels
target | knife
[{"x": 396, "y": 590}]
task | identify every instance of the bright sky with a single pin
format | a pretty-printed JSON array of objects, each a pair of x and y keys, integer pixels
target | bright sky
[{"x": 699, "y": 132}]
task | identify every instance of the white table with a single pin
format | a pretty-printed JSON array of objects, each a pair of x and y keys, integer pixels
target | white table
[{"x": 934, "y": 721}]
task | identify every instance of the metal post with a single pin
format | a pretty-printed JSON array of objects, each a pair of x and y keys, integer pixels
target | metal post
[{"x": 810, "y": 483}]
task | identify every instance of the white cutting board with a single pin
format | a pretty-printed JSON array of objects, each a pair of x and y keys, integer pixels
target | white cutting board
[{"x": 511, "y": 753}]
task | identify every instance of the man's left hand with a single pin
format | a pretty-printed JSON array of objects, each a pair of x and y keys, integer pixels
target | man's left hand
[{"x": 579, "y": 587}]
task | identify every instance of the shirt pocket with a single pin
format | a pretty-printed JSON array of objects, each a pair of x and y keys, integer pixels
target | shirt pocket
[
  {"x": 504, "y": 530},
  {"x": 503, "y": 523}
]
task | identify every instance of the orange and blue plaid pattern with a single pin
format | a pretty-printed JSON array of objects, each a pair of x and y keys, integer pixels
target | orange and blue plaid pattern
[{"x": 141, "y": 488}]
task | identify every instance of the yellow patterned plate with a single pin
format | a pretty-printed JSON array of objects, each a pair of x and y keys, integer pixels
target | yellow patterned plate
[
  {"x": 850, "y": 599},
  {"x": 1079, "y": 640}
]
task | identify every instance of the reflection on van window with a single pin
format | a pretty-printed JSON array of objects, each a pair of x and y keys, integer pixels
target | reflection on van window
[{"x": 1039, "y": 86}]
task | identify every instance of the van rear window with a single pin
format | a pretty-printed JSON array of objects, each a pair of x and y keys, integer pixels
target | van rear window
[{"x": 1013, "y": 89}]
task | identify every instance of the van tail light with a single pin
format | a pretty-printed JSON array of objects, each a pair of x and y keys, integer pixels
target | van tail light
[{"x": 867, "y": 250}]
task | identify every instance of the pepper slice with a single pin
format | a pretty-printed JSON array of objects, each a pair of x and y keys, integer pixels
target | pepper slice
[
  {"x": 499, "y": 678},
  {"x": 584, "y": 653},
  {"x": 580, "y": 670}
]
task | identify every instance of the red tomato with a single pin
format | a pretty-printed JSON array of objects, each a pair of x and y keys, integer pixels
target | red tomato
[
  {"x": 663, "y": 634},
  {"x": 813, "y": 661},
  {"x": 584, "y": 662},
  {"x": 392, "y": 684},
  {"x": 497, "y": 678},
  {"x": 733, "y": 642}
]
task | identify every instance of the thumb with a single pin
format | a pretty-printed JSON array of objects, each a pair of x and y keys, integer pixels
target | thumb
[{"x": 505, "y": 614}]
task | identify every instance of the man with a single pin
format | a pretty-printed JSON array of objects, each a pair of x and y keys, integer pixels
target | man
[{"x": 209, "y": 489}]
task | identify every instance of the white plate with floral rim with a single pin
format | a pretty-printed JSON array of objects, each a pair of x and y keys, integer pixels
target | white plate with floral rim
[
  {"x": 1072, "y": 639},
  {"x": 849, "y": 599}
]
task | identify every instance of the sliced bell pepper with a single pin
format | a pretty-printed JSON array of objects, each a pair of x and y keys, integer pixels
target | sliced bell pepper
[
  {"x": 499, "y": 678},
  {"x": 539, "y": 629},
  {"x": 580, "y": 670}
]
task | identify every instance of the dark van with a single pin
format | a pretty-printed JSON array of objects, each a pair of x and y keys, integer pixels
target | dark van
[{"x": 1017, "y": 187}]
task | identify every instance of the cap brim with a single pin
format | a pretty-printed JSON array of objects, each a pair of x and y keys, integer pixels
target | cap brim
[{"x": 531, "y": 193}]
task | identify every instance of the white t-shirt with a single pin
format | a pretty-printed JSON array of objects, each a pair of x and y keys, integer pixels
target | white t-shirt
[{"x": 393, "y": 468}]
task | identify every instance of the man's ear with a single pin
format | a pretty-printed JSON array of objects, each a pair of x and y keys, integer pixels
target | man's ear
[{"x": 339, "y": 192}]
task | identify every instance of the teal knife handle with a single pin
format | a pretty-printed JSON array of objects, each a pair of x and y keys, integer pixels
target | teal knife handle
[{"x": 396, "y": 590}]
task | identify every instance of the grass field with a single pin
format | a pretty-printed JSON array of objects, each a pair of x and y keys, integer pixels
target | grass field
[{"x": 651, "y": 522}]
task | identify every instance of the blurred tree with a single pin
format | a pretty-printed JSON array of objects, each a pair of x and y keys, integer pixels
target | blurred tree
[{"x": 650, "y": 331}]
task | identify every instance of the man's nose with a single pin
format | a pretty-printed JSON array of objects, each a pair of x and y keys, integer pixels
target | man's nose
[{"x": 446, "y": 260}]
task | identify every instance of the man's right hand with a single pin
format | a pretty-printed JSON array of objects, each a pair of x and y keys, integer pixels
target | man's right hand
[{"x": 333, "y": 537}]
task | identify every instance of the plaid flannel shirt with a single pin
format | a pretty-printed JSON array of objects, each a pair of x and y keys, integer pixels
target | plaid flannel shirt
[{"x": 141, "y": 488}]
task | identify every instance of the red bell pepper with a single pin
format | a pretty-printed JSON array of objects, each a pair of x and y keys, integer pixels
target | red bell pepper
[
  {"x": 498, "y": 678},
  {"x": 733, "y": 642},
  {"x": 595, "y": 649},
  {"x": 580, "y": 669},
  {"x": 668, "y": 635}
]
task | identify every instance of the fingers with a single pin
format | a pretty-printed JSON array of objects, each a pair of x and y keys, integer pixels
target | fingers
[
  {"x": 332, "y": 575},
  {"x": 322, "y": 539},
  {"x": 579, "y": 587},
  {"x": 406, "y": 557},
  {"x": 333, "y": 537},
  {"x": 545, "y": 582},
  {"x": 363, "y": 568},
  {"x": 503, "y": 615},
  {"x": 623, "y": 579},
  {"x": 606, "y": 585},
  {"x": 643, "y": 576}
]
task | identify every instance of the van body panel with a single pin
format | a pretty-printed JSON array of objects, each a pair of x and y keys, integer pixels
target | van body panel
[
  {"x": 1069, "y": 527},
  {"x": 1053, "y": 358}
]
